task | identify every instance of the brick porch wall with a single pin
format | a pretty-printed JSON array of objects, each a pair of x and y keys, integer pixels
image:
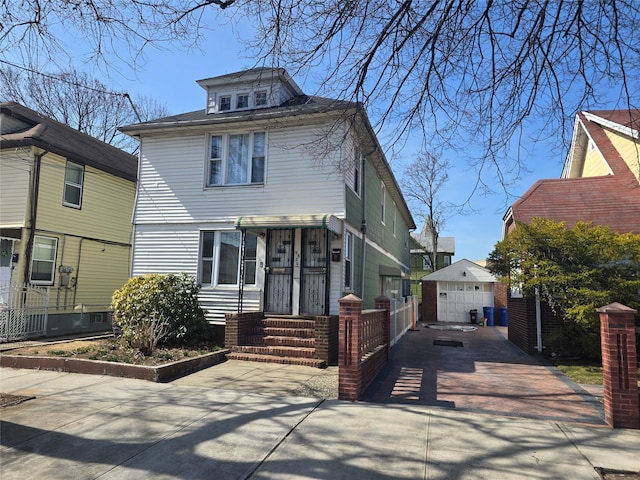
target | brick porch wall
[
  {"x": 358, "y": 364},
  {"x": 238, "y": 327},
  {"x": 619, "y": 367}
]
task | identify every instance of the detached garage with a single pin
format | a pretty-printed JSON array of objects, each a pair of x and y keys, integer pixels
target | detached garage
[{"x": 449, "y": 294}]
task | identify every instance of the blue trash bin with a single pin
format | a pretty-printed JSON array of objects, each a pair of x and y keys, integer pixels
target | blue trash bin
[
  {"x": 488, "y": 314},
  {"x": 503, "y": 316}
]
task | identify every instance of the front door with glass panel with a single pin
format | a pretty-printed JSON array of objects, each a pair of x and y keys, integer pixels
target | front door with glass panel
[
  {"x": 314, "y": 272},
  {"x": 279, "y": 271},
  {"x": 6, "y": 252}
]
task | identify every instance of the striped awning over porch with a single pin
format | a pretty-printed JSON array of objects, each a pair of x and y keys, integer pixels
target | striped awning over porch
[{"x": 280, "y": 222}]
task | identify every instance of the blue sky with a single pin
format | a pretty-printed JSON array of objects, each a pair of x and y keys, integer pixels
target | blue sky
[{"x": 169, "y": 76}]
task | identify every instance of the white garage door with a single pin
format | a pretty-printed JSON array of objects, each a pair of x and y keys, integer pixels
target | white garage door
[{"x": 456, "y": 299}]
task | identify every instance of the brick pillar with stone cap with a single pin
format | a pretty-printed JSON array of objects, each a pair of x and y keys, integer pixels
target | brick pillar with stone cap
[{"x": 619, "y": 366}]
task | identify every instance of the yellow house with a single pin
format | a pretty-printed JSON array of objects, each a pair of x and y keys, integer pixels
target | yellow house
[{"x": 66, "y": 201}]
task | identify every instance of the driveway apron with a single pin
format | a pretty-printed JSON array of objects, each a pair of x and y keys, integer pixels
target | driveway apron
[{"x": 480, "y": 371}]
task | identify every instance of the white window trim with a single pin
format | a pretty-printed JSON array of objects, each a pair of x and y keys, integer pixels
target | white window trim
[
  {"x": 225, "y": 159},
  {"x": 216, "y": 263},
  {"x": 266, "y": 98},
  {"x": 219, "y": 102},
  {"x": 348, "y": 257},
  {"x": 55, "y": 259},
  {"x": 80, "y": 186},
  {"x": 395, "y": 219},
  {"x": 237, "y": 98}
]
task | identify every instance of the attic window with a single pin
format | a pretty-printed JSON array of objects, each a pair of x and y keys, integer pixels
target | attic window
[
  {"x": 260, "y": 98},
  {"x": 73, "y": 180},
  {"x": 242, "y": 101},
  {"x": 225, "y": 103}
]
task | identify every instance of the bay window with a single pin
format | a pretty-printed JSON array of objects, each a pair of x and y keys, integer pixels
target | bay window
[
  {"x": 220, "y": 257},
  {"x": 237, "y": 159}
]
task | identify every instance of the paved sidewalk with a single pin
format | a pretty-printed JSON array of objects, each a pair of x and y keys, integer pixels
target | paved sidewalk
[{"x": 87, "y": 427}]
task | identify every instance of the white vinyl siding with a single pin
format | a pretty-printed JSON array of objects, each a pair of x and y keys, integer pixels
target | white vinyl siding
[
  {"x": 175, "y": 249},
  {"x": 171, "y": 189}
]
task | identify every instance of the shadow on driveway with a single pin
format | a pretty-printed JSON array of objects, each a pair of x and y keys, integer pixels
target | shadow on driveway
[{"x": 486, "y": 374}]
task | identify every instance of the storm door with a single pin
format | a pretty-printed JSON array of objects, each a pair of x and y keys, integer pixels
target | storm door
[
  {"x": 314, "y": 272},
  {"x": 279, "y": 271}
]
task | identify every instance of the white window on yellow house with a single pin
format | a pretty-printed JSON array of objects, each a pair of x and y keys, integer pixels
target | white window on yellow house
[
  {"x": 73, "y": 181},
  {"x": 220, "y": 257},
  {"x": 43, "y": 260},
  {"x": 224, "y": 103},
  {"x": 260, "y": 98},
  {"x": 242, "y": 100}
]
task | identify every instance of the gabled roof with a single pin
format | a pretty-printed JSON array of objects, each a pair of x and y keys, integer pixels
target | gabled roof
[
  {"x": 423, "y": 244},
  {"x": 612, "y": 200},
  {"x": 609, "y": 200},
  {"x": 461, "y": 271},
  {"x": 56, "y": 137}
]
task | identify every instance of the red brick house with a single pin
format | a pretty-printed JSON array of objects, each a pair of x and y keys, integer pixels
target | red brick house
[{"x": 600, "y": 183}]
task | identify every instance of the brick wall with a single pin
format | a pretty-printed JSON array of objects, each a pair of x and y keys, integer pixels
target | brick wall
[
  {"x": 363, "y": 338},
  {"x": 238, "y": 326},
  {"x": 619, "y": 366},
  {"x": 326, "y": 332}
]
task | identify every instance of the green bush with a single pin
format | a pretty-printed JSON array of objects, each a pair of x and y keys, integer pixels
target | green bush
[
  {"x": 573, "y": 340},
  {"x": 157, "y": 309}
]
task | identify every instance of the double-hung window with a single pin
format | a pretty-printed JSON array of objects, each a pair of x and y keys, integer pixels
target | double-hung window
[
  {"x": 242, "y": 100},
  {"x": 237, "y": 159},
  {"x": 225, "y": 103},
  {"x": 220, "y": 257},
  {"x": 348, "y": 261},
  {"x": 43, "y": 260},
  {"x": 260, "y": 98},
  {"x": 73, "y": 179}
]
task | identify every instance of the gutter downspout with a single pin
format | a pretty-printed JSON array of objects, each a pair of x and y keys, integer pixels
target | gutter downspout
[
  {"x": 538, "y": 323},
  {"x": 35, "y": 187},
  {"x": 363, "y": 227}
]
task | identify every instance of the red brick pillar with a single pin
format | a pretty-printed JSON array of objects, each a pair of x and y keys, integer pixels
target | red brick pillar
[
  {"x": 619, "y": 366},
  {"x": 383, "y": 303},
  {"x": 349, "y": 378}
]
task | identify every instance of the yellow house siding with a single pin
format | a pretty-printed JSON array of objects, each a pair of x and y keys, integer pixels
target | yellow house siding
[
  {"x": 594, "y": 164},
  {"x": 628, "y": 149},
  {"x": 107, "y": 203},
  {"x": 103, "y": 270},
  {"x": 15, "y": 174}
]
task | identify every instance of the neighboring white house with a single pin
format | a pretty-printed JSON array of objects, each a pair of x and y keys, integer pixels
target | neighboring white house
[
  {"x": 290, "y": 192},
  {"x": 459, "y": 288}
]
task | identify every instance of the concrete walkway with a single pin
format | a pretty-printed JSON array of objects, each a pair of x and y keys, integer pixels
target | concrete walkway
[{"x": 88, "y": 427}]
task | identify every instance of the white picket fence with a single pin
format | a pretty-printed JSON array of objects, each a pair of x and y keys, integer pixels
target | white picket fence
[
  {"x": 24, "y": 311},
  {"x": 403, "y": 316}
]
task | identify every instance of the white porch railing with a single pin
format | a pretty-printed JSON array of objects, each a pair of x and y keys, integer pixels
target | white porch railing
[
  {"x": 23, "y": 311},
  {"x": 403, "y": 316}
]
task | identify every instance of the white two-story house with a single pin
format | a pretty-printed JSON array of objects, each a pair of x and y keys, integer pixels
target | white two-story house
[{"x": 276, "y": 201}]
